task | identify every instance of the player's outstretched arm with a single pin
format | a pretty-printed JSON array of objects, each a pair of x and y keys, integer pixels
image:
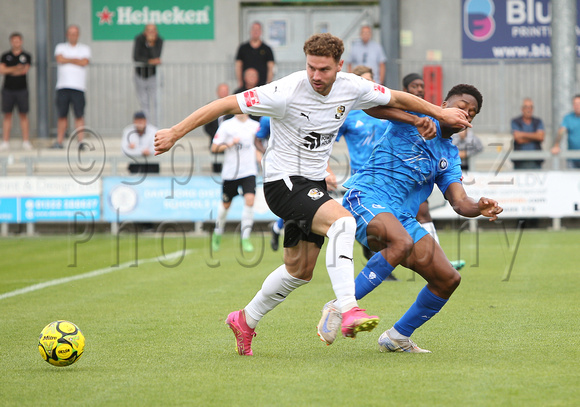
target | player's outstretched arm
[
  {"x": 425, "y": 126},
  {"x": 468, "y": 207},
  {"x": 452, "y": 116},
  {"x": 166, "y": 138}
]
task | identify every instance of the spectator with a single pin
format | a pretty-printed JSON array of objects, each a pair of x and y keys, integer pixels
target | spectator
[
  {"x": 235, "y": 137},
  {"x": 72, "y": 58},
  {"x": 15, "y": 65},
  {"x": 210, "y": 128},
  {"x": 147, "y": 55},
  {"x": 255, "y": 54},
  {"x": 528, "y": 132},
  {"x": 222, "y": 91},
  {"x": 570, "y": 126},
  {"x": 251, "y": 80},
  {"x": 468, "y": 145},
  {"x": 137, "y": 141},
  {"x": 367, "y": 52}
]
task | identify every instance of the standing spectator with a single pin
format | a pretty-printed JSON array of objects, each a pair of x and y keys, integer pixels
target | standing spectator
[
  {"x": 528, "y": 132},
  {"x": 147, "y": 55},
  {"x": 570, "y": 126},
  {"x": 15, "y": 65},
  {"x": 72, "y": 58},
  {"x": 236, "y": 137},
  {"x": 255, "y": 54},
  {"x": 468, "y": 145},
  {"x": 367, "y": 52}
]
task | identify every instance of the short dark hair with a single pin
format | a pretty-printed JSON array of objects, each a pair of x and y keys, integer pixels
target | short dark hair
[
  {"x": 15, "y": 34},
  {"x": 324, "y": 45},
  {"x": 464, "y": 89}
]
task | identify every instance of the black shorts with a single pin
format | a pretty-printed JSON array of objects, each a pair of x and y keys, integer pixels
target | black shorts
[
  {"x": 230, "y": 188},
  {"x": 66, "y": 97},
  {"x": 297, "y": 207},
  {"x": 11, "y": 98}
]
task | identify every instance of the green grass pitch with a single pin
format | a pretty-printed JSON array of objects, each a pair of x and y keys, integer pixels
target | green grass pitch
[{"x": 156, "y": 336}]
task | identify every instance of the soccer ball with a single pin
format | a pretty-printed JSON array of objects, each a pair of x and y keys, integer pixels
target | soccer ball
[{"x": 61, "y": 343}]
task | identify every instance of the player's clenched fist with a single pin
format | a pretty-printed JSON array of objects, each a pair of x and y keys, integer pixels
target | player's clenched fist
[{"x": 164, "y": 140}]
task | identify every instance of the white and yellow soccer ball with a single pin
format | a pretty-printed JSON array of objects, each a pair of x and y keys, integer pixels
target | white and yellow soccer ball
[{"x": 61, "y": 343}]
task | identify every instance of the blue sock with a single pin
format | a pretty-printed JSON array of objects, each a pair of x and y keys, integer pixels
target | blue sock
[
  {"x": 280, "y": 223},
  {"x": 376, "y": 270},
  {"x": 426, "y": 305}
]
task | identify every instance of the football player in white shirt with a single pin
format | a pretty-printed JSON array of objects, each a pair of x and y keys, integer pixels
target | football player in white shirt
[
  {"x": 235, "y": 137},
  {"x": 307, "y": 109}
]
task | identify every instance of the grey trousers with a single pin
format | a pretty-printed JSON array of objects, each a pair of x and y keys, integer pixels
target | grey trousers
[{"x": 147, "y": 95}]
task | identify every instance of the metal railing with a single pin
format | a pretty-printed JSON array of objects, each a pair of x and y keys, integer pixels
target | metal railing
[{"x": 184, "y": 87}]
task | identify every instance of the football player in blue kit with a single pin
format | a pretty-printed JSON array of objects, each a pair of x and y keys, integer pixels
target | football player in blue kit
[{"x": 384, "y": 197}]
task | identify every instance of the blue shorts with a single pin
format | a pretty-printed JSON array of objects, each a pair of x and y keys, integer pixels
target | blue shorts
[{"x": 365, "y": 207}]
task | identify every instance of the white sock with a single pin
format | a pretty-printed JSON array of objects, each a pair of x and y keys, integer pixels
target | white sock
[
  {"x": 339, "y": 261},
  {"x": 393, "y": 333},
  {"x": 430, "y": 227},
  {"x": 220, "y": 221},
  {"x": 275, "y": 289},
  {"x": 247, "y": 221}
]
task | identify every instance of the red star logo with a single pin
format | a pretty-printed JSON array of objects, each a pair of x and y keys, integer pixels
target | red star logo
[{"x": 105, "y": 16}]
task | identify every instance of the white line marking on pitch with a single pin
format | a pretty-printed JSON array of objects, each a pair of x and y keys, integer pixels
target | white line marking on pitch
[{"x": 90, "y": 274}]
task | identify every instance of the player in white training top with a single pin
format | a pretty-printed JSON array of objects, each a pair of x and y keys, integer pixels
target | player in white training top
[
  {"x": 235, "y": 137},
  {"x": 307, "y": 109}
]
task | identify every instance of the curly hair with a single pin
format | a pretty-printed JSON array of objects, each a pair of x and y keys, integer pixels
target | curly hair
[
  {"x": 324, "y": 45},
  {"x": 464, "y": 89}
]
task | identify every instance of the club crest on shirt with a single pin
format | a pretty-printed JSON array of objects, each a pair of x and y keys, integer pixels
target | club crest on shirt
[
  {"x": 315, "y": 194},
  {"x": 251, "y": 97},
  {"x": 340, "y": 112},
  {"x": 443, "y": 164}
]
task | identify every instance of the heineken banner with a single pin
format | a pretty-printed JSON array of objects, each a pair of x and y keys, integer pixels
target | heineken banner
[{"x": 176, "y": 19}]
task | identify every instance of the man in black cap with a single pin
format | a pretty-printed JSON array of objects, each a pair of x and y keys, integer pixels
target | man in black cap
[{"x": 137, "y": 142}]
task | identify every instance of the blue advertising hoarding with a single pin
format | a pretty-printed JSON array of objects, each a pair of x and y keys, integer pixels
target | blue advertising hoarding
[
  {"x": 508, "y": 29},
  {"x": 164, "y": 199},
  {"x": 48, "y": 199}
]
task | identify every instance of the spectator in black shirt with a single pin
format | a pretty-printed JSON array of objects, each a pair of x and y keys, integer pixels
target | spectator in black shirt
[
  {"x": 15, "y": 65},
  {"x": 255, "y": 54},
  {"x": 147, "y": 55}
]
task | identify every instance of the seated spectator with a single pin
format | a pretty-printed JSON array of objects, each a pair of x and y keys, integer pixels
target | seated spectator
[
  {"x": 137, "y": 142},
  {"x": 251, "y": 80},
  {"x": 468, "y": 145},
  {"x": 528, "y": 132},
  {"x": 570, "y": 126}
]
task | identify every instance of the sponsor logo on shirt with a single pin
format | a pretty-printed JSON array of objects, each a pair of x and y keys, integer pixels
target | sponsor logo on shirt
[
  {"x": 251, "y": 97},
  {"x": 339, "y": 112},
  {"x": 443, "y": 164},
  {"x": 315, "y": 194},
  {"x": 380, "y": 88},
  {"x": 314, "y": 140}
]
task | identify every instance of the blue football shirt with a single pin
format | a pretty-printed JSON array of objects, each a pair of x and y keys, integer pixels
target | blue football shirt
[
  {"x": 404, "y": 167},
  {"x": 361, "y": 133}
]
